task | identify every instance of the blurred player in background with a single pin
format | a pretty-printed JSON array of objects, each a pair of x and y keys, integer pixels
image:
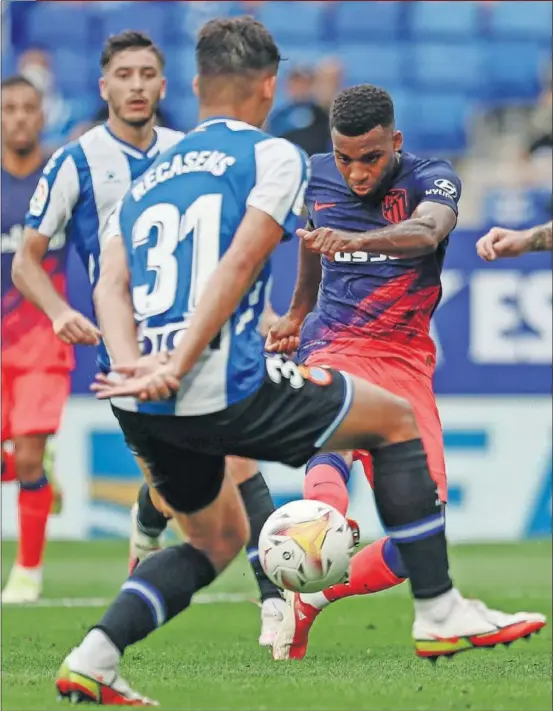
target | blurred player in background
[
  {"x": 36, "y": 365},
  {"x": 501, "y": 242},
  {"x": 80, "y": 187},
  {"x": 381, "y": 219}
]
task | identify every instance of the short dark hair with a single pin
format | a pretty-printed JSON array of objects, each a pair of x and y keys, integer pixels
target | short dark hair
[
  {"x": 129, "y": 39},
  {"x": 239, "y": 46},
  {"x": 19, "y": 80},
  {"x": 358, "y": 109}
]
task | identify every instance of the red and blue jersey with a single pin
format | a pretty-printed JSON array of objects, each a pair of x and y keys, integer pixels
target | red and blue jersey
[
  {"x": 371, "y": 304},
  {"x": 28, "y": 341}
]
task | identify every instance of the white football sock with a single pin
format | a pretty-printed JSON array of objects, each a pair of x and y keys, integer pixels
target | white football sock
[
  {"x": 438, "y": 608},
  {"x": 97, "y": 651}
]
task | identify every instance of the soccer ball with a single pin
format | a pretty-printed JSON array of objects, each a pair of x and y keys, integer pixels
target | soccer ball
[{"x": 305, "y": 546}]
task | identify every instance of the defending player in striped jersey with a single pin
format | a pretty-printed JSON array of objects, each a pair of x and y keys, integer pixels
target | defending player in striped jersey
[
  {"x": 185, "y": 270},
  {"x": 77, "y": 192}
]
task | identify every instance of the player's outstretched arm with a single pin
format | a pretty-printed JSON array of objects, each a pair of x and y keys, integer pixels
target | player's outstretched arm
[
  {"x": 501, "y": 242},
  {"x": 32, "y": 280},
  {"x": 284, "y": 335},
  {"x": 112, "y": 301},
  {"x": 421, "y": 234}
]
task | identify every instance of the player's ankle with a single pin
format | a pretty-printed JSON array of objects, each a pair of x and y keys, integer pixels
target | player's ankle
[
  {"x": 316, "y": 600},
  {"x": 437, "y": 608},
  {"x": 97, "y": 652}
]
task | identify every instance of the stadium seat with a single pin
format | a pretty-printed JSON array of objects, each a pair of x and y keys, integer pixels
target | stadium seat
[
  {"x": 448, "y": 65},
  {"x": 441, "y": 122},
  {"x": 524, "y": 20},
  {"x": 382, "y": 65},
  {"x": 369, "y": 21},
  {"x": 59, "y": 24},
  {"x": 441, "y": 20},
  {"x": 513, "y": 71},
  {"x": 301, "y": 21},
  {"x": 75, "y": 73},
  {"x": 9, "y": 63},
  {"x": 182, "y": 112},
  {"x": 147, "y": 17},
  {"x": 180, "y": 68}
]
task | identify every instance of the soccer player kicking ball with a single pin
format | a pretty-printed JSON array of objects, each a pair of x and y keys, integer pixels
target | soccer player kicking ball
[
  {"x": 36, "y": 366},
  {"x": 501, "y": 242},
  {"x": 381, "y": 219},
  {"x": 206, "y": 219},
  {"x": 77, "y": 192}
]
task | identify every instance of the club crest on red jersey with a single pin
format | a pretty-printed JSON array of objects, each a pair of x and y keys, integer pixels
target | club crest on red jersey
[{"x": 394, "y": 205}]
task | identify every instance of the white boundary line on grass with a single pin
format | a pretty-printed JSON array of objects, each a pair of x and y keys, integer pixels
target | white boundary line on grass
[{"x": 201, "y": 599}]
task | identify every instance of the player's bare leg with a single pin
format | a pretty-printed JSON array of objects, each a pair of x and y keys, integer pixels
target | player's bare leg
[
  {"x": 160, "y": 588},
  {"x": 149, "y": 520},
  {"x": 259, "y": 506},
  {"x": 35, "y": 502},
  {"x": 406, "y": 498}
]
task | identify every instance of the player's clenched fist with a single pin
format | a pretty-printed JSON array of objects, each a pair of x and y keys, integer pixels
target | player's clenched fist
[
  {"x": 327, "y": 241},
  {"x": 500, "y": 242},
  {"x": 284, "y": 335},
  {"x": 74, "y": 328}
]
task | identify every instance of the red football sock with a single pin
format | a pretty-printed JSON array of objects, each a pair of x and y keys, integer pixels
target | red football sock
[
  {"x": 34, "y": 508},
  {"x": 324, "y": 482},
  {"x": 8, "y": 465},
  {"x": 368, "y": 574}
]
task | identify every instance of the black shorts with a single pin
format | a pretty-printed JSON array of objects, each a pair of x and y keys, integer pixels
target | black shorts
[{"x": 288, "y": 419}]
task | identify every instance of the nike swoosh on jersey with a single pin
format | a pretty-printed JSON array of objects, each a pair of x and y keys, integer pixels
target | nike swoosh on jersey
[{"x": 323, "y": 205}]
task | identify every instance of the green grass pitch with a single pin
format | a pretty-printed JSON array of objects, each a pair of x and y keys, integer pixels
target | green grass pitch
[{"x": 360, "y": 656}]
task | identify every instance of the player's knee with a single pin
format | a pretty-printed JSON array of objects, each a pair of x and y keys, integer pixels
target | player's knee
[
  {"x": 28, "y": 464},
  {"x": 401, "y": 421},
  {"x": 224, "y": 542},
  {"x": 240, "y": 469}
]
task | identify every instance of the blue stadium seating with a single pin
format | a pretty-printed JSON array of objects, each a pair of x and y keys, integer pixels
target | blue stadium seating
[
  {"x": 59, "y": 24},
  {"x": 513, "y": 71},
  {"x": 150, "y": 17},
  {"x": 448, "y": 65},
  {"x": 75, "y": 73},
  {"x": 528, "y": 19},
  {"x": 382, "y": 65},
  {"x": 301, "y": 21},
  {"x": 441, "y": 20},
  {"x": 439, "y": 122},
  {"x": 181, "y": 68},
  {"x": 181, "y": 111},
  {"x": 435, "y": 58},
  {"x": 369, "y": 21}
]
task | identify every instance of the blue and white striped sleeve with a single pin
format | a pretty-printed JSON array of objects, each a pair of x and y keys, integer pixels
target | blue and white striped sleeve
[
  {"x": 282, "y": 176},
  {"x": 56, "y": 194},
  {"x": 113, "y": 226}
]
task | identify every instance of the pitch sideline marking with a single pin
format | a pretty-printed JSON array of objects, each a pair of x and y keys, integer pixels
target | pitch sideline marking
[{"x": 201, "y": 599}]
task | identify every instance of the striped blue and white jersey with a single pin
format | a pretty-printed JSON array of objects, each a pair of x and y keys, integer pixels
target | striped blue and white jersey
[
  {"x": 177, "y": 222},
  {"x": 81, "y": 185}
]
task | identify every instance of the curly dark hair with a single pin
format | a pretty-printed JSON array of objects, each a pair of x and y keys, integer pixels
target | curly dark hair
[
  {"x": 129, "y": 39},
  {"x": 238, "y": 46},
  {"x": 358, "y": 109}
]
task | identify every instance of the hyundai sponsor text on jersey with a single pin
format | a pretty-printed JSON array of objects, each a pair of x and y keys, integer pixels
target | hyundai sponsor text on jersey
[{"x": 372, "y": 304}]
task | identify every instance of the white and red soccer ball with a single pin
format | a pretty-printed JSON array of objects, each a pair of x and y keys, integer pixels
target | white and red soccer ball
[{"x": 305, "y": 546}]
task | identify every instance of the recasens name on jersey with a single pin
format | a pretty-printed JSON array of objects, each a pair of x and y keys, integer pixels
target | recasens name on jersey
[
  {"x": 373, "y": 303},
  {"x": 177, "y": 222}
]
